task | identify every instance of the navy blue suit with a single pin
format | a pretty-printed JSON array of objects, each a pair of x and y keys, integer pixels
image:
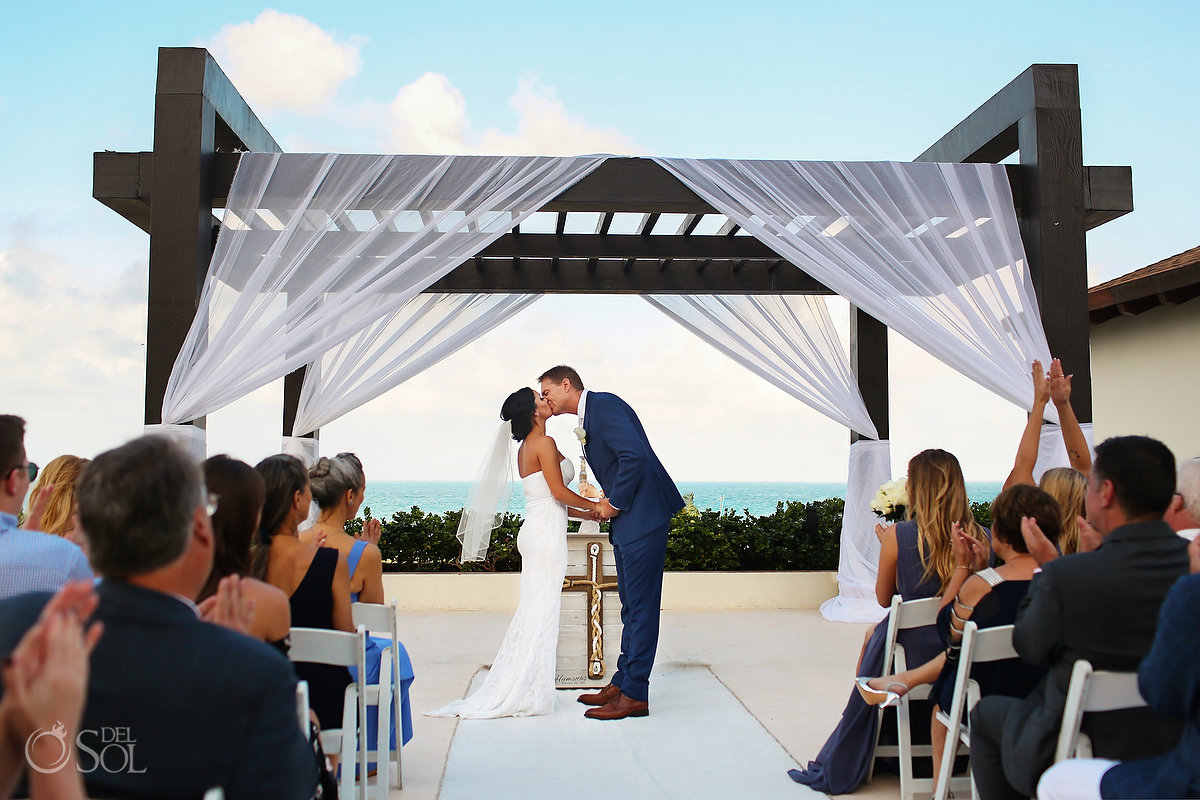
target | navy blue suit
[
  {"x": 1169, "y": 679},
  {"x": 636, "y": 483},
  {"x": 202, "y": 705}
]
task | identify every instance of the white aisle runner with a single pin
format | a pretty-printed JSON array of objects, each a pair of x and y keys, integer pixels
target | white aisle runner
[{"x": 698, "y": 742}]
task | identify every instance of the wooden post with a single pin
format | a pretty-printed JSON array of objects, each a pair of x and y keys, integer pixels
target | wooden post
[{"x": 869, "y": 360}]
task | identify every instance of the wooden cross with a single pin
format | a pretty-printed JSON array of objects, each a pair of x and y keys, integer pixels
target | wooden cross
[{"x": 595, "y": 583}]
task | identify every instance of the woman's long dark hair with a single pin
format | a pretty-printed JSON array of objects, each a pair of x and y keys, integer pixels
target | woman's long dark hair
[
  {"x": 240, "y": 493},
  {"x": 518, "y": 409},
  {"x": 282, "y": 476}
]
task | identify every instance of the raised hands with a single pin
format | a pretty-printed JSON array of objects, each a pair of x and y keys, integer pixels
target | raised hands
[
  {"x": 1059, "y": 384},
  {"x": 1041, "y": 381}
]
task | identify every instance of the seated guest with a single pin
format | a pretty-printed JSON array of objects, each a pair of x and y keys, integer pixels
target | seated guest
[
  {"x": 199, "y": 705},
  {"x": 315, "y": 579},
  {"x": 1100, "y": 605},
  {"x": 339, "y": 485},
  {"x": 45, "y": 684},
  {"x": 240, "y": 492},
  {"x": 989, "y": 598},
  {"x": 1169, "y": 680},
  {"x": 30, "y": 561},
  {"x": 1183, "y": 515},
  {"x": 916, "y": 560}
]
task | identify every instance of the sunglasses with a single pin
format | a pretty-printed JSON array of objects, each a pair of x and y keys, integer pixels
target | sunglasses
[{"x": 29, "y": 467}]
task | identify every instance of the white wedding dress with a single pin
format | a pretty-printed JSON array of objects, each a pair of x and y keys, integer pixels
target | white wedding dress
[{"x": 521, "y": 680}]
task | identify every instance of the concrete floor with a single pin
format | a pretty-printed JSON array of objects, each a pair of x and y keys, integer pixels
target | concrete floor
[{"x": 791, "y": 668}]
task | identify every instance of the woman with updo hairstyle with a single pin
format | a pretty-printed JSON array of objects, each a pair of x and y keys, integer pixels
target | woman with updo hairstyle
[
  {"x": 58, "y": 509},
  {"x": 916, "y": 560},
  {"x": 315, "y": 579},
  {"x": 338, "y": 487},
  {"x": 240, "y": 493},
  {"x": 987, "y": 596},
  {"x": 520, "y": 682}
]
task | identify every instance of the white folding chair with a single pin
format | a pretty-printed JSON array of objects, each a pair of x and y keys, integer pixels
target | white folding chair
[
  {"x": 302, "y": 706},
  {"x": 978, "y": 646},
  {"x": 341, "y": 649},
  {"x": 903, "y": 616},
  {"x": 381, "y": 619},
  {"x": 1092, "y": 690}
]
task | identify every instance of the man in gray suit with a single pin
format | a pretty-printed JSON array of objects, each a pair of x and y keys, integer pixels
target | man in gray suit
[
  {"x": 175, "y": 705},
  {"x": 1102, "y": 606}
]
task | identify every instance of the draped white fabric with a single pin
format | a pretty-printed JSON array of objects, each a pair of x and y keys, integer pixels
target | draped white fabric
[
  {"x": 858, "y": 561},
  {"x": 191, "y": 438},
  {"x": 316, "y": 247},
  {"x": 930, "y": 250},
  {"x": 421, "y": 333},
  {"x": 789, "y": 341}
]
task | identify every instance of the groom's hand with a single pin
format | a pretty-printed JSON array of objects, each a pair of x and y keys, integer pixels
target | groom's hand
[{"x": 606, "y": 509}]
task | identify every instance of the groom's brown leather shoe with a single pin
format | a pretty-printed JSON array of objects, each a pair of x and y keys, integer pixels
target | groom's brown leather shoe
[
  {"x": 600, "y": 698},
  {"x": 620, "y": 708}
]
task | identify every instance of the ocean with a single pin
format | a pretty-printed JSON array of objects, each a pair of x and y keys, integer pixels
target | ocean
[{"x": 759, "y": 499}]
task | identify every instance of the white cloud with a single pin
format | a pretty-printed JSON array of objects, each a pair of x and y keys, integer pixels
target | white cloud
[
  {"x": 71, "y": 351},
  {"x": 283, "y": 61},
  {"x": 429, "y": 115}
]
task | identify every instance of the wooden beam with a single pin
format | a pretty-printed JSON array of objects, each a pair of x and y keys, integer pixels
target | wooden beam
[{"x": 535, "y": 275}]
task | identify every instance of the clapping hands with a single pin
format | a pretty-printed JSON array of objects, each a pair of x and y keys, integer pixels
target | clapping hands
[
  {"x": 230, "y": 607},
  {"x": 968, "y": 551},
  {"x": 371, "y": 530},
  {"x": 1059, "y": 384}
]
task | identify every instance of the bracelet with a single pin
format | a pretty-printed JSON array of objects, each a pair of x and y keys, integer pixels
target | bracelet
[{"x": 961, "y": 566}]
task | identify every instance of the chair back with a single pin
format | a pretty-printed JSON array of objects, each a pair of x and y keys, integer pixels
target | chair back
[
  {"x": 341, "y": 649},
  {"x": 302, "y": 706},
  {"x": 1092, "y": 690},
  {"x": 381, "y": 619},
  {"x": 978, "y": 646}
]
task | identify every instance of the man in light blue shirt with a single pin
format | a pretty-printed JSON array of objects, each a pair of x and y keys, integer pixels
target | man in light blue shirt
[{"x": 30, "y": 561}]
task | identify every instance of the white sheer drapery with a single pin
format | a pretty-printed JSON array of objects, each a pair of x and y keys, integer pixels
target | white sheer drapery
[
  {"x": 192, "y": 438},
  {"x": 305, "y": 448},
  {"x": 930, "y": 250},
  {"x": 378, "y": 358},
  {"x": 788, "y": 341},
  {"x": 858, "y": 560},
  {"x": 315, "y": 247}
]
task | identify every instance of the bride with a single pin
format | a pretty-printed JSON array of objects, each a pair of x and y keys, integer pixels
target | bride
[{"x": 520, "y": 682}]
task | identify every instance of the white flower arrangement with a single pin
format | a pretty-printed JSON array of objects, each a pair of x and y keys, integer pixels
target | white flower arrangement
[
  {"x": 891, "y": 500},
  {"x": 581, "y": 434}
]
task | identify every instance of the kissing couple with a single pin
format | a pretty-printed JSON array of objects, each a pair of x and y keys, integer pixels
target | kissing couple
[{"x": 640, "y": 500}]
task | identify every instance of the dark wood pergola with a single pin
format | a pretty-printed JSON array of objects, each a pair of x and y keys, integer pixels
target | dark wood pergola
[{"x": 202, "y": 124}]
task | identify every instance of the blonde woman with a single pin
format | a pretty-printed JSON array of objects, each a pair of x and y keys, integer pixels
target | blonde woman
[
  {"x": 1067, "y": 485},
  {"x": 58, "y": 507},
  {"x": 916, "y": 560}
]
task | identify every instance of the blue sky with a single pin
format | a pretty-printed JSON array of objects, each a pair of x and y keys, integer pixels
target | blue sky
[{"x": 851, "y": 81}]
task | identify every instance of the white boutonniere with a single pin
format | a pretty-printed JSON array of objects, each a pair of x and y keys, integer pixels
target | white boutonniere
[{"x": 581, "y": 434}]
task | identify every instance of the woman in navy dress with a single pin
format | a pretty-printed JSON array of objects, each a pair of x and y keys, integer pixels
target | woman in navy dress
[
  {"x": 315, "y": 579},
  {"x": 915, "y": 561}
]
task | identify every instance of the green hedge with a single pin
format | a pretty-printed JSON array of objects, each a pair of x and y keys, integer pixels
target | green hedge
[{"x": 797, "y": 536}]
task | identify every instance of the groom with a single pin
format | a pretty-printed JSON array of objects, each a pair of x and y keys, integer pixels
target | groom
[{"x": 640, "y": 499}]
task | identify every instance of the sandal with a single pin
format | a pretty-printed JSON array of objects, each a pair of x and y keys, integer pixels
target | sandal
[{"x": 876, "y": 697}]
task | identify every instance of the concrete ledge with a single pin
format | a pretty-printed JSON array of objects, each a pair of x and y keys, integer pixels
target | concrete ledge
[{"x": 682, "y": 591}]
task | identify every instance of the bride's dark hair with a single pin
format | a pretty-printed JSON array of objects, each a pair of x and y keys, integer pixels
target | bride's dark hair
[{"x": 518, "y": 409}]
